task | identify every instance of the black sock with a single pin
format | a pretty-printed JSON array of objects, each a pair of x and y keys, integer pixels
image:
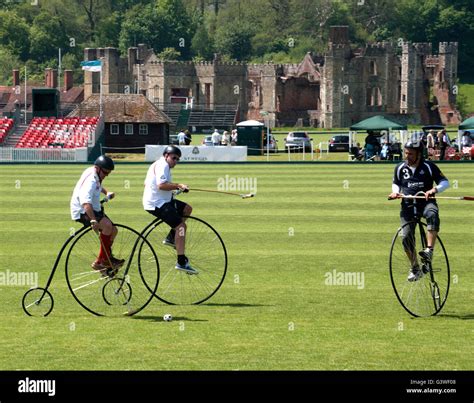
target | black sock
[
  {"x": 182, "y": 260},
  {"x": 171, "y": 235}
]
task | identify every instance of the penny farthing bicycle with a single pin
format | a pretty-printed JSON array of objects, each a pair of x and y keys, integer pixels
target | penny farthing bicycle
[
  {"x": 427, "y": 295},
  {"x": 206, "y": 252},
  {"x": 125, "y": 291}
]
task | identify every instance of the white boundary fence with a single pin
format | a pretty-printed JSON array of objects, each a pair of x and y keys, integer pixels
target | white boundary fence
[{"x": 10, "y": 154}]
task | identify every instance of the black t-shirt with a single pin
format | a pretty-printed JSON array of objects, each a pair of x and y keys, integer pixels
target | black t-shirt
[{"x": 422, "y": 180}]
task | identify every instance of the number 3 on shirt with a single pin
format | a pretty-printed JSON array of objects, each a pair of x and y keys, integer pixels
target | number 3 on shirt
[{"x": 406, "y": 173}]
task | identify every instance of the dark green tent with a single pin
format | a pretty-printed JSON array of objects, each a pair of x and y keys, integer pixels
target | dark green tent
[
  {"x": 467, "y": 124},
  {"x": 377, "y": 123}
]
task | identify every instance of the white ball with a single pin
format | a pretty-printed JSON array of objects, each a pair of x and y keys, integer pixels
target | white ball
[{"x": 168, "y": 317}]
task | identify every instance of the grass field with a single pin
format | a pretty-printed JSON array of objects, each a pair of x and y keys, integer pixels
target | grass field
[{"x": 274, "y": 310}]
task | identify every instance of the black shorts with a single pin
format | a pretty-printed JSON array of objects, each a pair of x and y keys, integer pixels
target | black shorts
[
  {"x": 85, "y": 220},
  {"x": 429, "y": 211},
  {"x": 171, "y": 213}
]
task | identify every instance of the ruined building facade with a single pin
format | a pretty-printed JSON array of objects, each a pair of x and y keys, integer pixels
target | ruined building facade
[{"x": 405, "y": 81}]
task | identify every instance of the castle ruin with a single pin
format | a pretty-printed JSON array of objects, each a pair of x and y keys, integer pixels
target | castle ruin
[{"x": 405, "y": 81}]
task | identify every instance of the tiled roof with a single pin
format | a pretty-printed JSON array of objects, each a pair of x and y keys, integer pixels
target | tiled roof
[{"x": 122, "y": 108}]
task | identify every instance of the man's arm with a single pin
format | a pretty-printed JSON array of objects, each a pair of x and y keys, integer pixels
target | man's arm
[
  {"x": 396, "y": 185},
  {"x": 442, "y": 183},
  {"x": 168, "y": 186},
  {"x": 89, "y": 211}
]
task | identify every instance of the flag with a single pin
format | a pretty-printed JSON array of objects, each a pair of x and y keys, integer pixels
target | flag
[{"x": 93, "y": 65}]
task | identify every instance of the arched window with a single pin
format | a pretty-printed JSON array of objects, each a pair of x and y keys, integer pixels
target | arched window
[{"x": 373, "y": 68}]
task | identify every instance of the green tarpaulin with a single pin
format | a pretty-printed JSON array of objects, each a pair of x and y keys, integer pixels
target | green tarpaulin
[
  {"x": 377, "y": 123},
  {"x": 467, "y": 124}
]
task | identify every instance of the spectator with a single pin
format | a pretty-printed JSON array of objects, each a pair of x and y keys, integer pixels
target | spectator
[
  {"x": 430, "y": 143},
  {"x": 370, "y": 145},
  {"x": 466, "y": 140},
  {"x": 188, "y": 138},
  {"x": 233, "y": 137},
  {"x": 216, "y": 138},
  {"x": 466, "y": 145},
  {"x": 385, "y": 152},
  {"x": 443, "y": 143},
  {"x": 357, "y": 153},
  {"x": 181, "y": 138},
  {"x": 225, "y": 141}
]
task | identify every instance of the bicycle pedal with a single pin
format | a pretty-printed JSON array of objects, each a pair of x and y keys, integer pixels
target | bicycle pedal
[{"x": 425, "y": 268}]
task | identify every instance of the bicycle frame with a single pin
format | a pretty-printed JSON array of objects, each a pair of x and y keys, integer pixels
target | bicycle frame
[{"x": 58, "y": 259}]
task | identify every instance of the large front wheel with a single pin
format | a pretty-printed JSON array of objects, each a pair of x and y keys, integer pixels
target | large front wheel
[
  {"x": 126, "y": 291},
  {"x": 206, "y": 253},
  {"x": 427, "y": 295}
]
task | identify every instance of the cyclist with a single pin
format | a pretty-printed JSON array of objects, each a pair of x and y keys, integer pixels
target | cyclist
[
  {"x": 86, "y": 209},
  {"x": 158, "y": 200},
  {"x": 410, "y": 177}
]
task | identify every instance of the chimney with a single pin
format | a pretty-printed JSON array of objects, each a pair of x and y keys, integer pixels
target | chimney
[
  {"x": 68, "y": 80},
  {"x": 47, "y": 75},
  {"x": 16, "y": 78},
  {"x": 51, "y": 78},
  {"x": 54, "y": 78}
]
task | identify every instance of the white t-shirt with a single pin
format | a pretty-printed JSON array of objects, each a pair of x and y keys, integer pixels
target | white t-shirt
[
  {"x": 87, "y": 190},
  {"x": 158, "y": 173},
  {"x": 216, "y": 137},
  {"x": 181, "y": 138}
]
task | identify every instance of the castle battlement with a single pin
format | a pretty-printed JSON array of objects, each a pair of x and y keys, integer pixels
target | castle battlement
[{"x": 448, "y": 47}]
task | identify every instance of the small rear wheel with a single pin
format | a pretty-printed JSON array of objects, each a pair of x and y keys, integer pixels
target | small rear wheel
[{"x": 37, "y": 302}]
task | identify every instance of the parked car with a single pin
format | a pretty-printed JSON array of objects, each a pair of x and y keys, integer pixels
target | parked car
[
  {"x": 207, "y": 141},
  {"x": 174, "y": 139},
  {"x": 272, "y": 145},
  {"x": 297, "y": 140},
  {"x": 339, "y": 143}
]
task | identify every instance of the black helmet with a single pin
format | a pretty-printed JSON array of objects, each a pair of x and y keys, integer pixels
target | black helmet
[
  {"x": 414, "y": 145},
  {"x": 172, "y": 150},
  {"x": 104, "y": 163}
]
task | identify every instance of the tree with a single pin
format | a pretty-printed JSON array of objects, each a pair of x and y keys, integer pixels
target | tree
[
  {"x": 9, "y": 62},
  {"x": 169, "y": 54},
  {"x": 14, "y": 34},
  {"x": 165, "y": 24},
  {"x": 46, "y": 36},
  {"x": 235, "y": 41},
  {"x": 202, "y": 44}
]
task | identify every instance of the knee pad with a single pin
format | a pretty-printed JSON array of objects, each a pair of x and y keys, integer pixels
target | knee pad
[{"x": 432, "y": 220}]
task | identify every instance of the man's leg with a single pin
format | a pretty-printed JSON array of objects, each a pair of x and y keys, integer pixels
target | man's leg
[
  {"x": 180, "y": 232},
  {"x": 431, "y": 214}
]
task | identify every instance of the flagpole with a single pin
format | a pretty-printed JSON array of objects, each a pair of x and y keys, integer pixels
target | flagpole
[
  {"x": 25, "y": 95},
  {"x": 100, "y": 91},
  {"x": 59, "y": 70}
]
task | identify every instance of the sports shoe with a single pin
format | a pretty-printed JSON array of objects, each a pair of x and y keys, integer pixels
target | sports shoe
[
  {"x": 105, "y": 269},
  {"x": 102, "y": 267},
  {"x": 415, "y": 273},
  {"x": 186, "y": 268},
  {"x": 426, "y": 254},
  {"x": 169, "y": 242},
  {"x": 117, "y": 263}
]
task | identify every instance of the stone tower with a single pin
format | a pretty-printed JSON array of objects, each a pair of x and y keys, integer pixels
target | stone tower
[
  {"x": 333, "y": 87},
  {"x": 413, "y": 81}
]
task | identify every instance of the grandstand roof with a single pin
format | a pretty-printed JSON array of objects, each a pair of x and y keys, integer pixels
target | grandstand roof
[{"x": 122, "y": 108}]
